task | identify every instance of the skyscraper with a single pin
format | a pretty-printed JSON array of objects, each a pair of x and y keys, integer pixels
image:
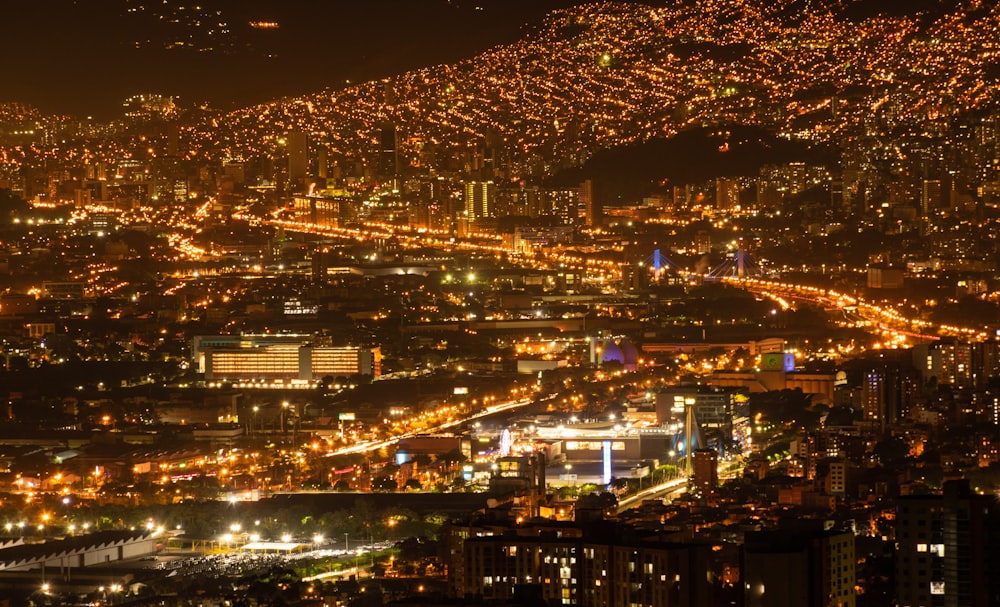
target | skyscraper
[
  {"x": 298, "y": 159},
  {"x": 799, "y": 569},
  {"x": 388, "y": 154},
  {"x": 706, "y": 470},
  {"x": 590, "y": 208},
  {"x": 480, "y": 199},
  {"x": 946, "y": 547}
]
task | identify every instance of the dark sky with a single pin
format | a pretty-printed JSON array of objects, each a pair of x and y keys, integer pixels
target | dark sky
[{"x": 84, "y": 57}]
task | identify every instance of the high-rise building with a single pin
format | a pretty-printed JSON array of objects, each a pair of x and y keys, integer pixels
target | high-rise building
[
  {"x": 298, "y": 159},
  {"x": 986, "y": 361},
  {"x": 949, "y": 361},
  {"x": 785, "y": 568},
  {"x": 480, "y": 199},
  {"x": 706, "y": 470},
  {"x": 727, "y": 193},
  {"x": 388, "y": 154},
  {"x": 873, "y": 398},
  {"x": 590, "y": 208},
  {"x": 930, "y": 196},
  {"x": 947, "y": 547}
]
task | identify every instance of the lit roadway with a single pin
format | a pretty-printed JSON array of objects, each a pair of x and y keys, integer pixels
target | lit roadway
[
  {"x": 367, "y": 446},
  {"x": 879, "y": 318},
  {"x": 487, "y": 244},
  {"x": 677, "y": 485}
]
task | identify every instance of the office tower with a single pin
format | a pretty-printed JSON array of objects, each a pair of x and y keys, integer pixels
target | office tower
[
  {"x": 298, "y": 159},
  {"x": 874, "y": 398},
  {"x": 706, "y": 470},
  {"x": 792, "y": 568},
  {"x": 589, "y": 207},
  {"x": 388, "y": 154},
  {"x": 320, "y": 264},
  {"x": 930, "y": 196},
  {"x": 480, "y": 198},
  {"x": 946, "y": 549}
]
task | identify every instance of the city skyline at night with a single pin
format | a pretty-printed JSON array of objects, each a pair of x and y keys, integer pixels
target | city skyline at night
[{"x": 689, "y": 303}]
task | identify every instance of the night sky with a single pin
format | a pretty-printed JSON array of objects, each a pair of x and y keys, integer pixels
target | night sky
[{"x": 84, "y": 57}]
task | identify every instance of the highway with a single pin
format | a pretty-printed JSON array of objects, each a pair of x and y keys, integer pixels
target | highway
[
  {"x": 677, "y": 485},
  {"x": 493, "y": 409},
  {"x": 878, "y": 318}
]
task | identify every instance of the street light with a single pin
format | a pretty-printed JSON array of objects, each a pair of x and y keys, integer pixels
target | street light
[{"x": 284, "y": 407}]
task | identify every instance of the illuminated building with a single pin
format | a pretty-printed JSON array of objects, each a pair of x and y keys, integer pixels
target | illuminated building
[
  {"x": 102, "y": 223},
  {"x": 727, "y": 193},
  {"x": 598, "y": 451},
  {"x": 590, "y": 208},
  {"x": 322, "y": 210},
  {"x": 83, "y": 551},
  {"x": 587, "y": 567},
  {"x": 706, "y": 470},
  {"x": 622, "y": 352},
  {"x": 527, "y": 239},
  {"x": 293, "y": 359},
  {"x": 946, "y": 549},
  {"x": 930, "y": 196},
  {"x": 480, "y": 199},
  {"x": 722, "y": 415},
  {"x": 947, "y": 360}
]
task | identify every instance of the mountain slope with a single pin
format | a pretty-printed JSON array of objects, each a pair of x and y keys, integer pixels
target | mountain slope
[{"x": 609, "y": 74}]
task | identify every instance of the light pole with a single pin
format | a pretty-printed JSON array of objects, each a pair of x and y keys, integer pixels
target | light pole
[
  {"x": 346, "y": 546},
  {"x": 253, "y": 422},
  {"x": 284, "y": 407}
]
